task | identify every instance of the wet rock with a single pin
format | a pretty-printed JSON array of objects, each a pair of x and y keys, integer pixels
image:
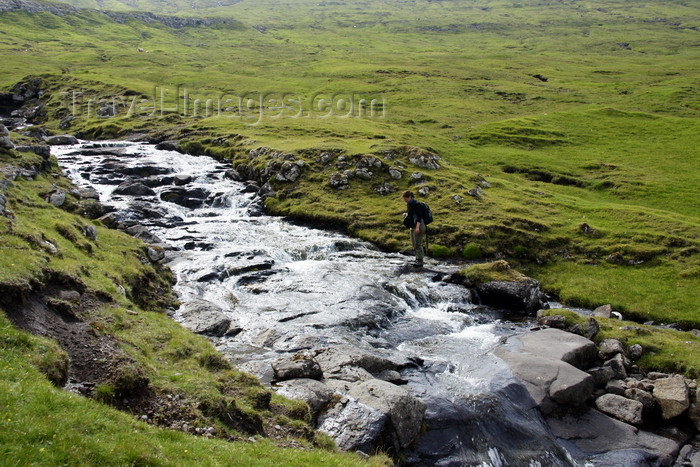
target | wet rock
[
  {"x": 672, "y": 396},
  {"x": 134, "y": 189},
  {"x": 559, "y": 345},
  {"x": 604, "y": 441},
  {"x": 313, "y": 392},
  {"x": 334, "y": 359},
  {"x": 109, "y": 220},
  {"x": 301, "y": 365},
  {"x": 61, "y": 140},
  {"x": 354, "y": 426},
  {"x": 267, "y": 338},
  {"x": 190, "y": 198},
  {"x": 169, "y": 145},
  {"x": 143, "y": 233},
  {"x": 204, "y": 317},
  {"x": 621, "y": 408},
  {"x": 86, "y": 193},
  {"x": 522, "y": 296},
  {"x": 404, "y": 411}
]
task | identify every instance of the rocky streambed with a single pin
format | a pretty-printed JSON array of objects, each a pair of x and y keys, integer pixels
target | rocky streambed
[{"x": 386, "y": 357}]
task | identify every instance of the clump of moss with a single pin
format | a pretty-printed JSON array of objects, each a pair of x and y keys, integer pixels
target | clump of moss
[{"x": 472, "y": 251}]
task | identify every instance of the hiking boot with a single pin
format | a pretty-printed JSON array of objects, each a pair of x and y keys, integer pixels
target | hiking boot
[{"x": 417, "y": 265}]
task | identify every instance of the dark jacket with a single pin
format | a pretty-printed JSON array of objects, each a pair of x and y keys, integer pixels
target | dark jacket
[{"x": 415, "y": 214}]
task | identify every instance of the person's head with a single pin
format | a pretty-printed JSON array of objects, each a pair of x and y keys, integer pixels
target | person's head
[{"x": 407, "y": 195}]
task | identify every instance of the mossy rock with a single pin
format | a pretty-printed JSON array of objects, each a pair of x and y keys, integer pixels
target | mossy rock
[{"x": 489, "y": 272}]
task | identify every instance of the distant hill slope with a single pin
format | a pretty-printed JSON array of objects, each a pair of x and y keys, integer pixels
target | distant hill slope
[
  {"x": 156, "y": 6},
  {"x": 63, "y": 9}
]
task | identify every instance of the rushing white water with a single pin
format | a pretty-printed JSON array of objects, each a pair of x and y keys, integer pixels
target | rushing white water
[{"x": 288, "y": 285}]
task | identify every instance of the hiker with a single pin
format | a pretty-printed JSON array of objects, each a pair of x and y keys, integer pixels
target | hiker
[{"x": 414, "y": 220}]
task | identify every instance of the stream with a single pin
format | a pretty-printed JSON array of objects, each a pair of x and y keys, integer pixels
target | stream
[{"x": 290, "y": 288}]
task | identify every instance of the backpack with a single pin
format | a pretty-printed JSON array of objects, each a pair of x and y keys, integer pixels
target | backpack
[{"x": 427, "y": 213}]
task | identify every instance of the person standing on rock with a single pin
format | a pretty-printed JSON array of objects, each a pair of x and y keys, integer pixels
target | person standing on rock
[{"x": 414, "y": 220}]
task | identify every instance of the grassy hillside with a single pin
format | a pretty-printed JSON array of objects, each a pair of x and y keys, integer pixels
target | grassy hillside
[{"x": 573, "y": 113}]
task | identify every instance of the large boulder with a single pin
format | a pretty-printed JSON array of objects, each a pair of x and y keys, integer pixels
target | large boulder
[
  {"x": 300, "y": 365},
  {"x": 190, "y": 198},
  {"x": 404, "y": 411},
  {"x": 672, "y": 396},
  {"x": 547, "y": 362},
  {"x": 560, "y": 345},
  {"x": 61, "y": 140},
  {"x": 206, "y": 318},
  {"x": 605, "y": 441},
  {"x": 134, "y": 189},
  {"x": 334, "y": 360},
  {"x": 353, "y": 425},
  {"x": 523, "y": 296}
]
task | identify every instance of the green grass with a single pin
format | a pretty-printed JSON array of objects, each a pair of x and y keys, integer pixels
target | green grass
[
  {"x": 609, "y": 139},
  {"x": 43, "y": 425}
]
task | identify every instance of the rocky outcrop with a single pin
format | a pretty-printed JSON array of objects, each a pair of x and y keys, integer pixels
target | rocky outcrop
[{"x": 549, "y": 363}]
